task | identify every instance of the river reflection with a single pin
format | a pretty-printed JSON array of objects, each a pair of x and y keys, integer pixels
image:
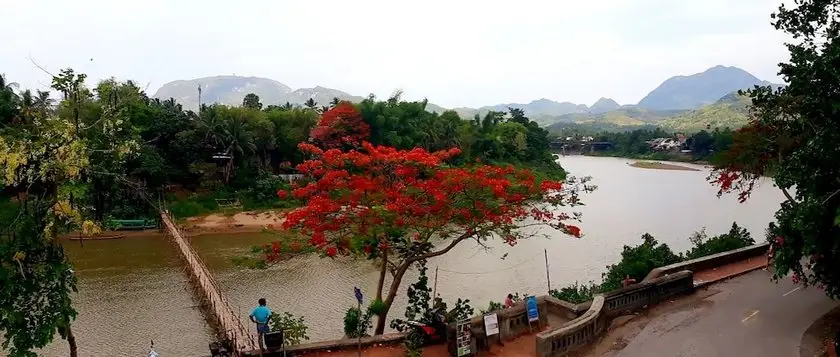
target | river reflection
[{"x": 133, "y": 290}]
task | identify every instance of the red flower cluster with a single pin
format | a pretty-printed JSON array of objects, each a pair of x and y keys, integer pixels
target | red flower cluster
[
  {"x": 341, "y": 126},
  {"x": 353, "y": 196}
]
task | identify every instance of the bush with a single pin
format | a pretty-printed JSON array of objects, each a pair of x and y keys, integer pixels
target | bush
[
  {"x": 737, "y": 237},
  {"x": 294, "y": 328},
  {"x": 494, "y": 306},
  {"x": 576, "y": 293},
  {"x": 638, "y": 261},
  {"x": 356, "y": 323}
]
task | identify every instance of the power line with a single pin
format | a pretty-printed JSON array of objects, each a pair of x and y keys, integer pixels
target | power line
[{"x": 486, "y": 272}]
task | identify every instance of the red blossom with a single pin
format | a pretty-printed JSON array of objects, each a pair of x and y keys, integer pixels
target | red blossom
[
  {"x": 282, "y": 194},
  {"x": 332, "y": 251},
  {"x": 341, "y": 126},
  {"x": 354, "y": 193}
]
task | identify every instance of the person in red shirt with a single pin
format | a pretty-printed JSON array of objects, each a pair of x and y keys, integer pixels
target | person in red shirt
[{"x": 509, "y": 301}]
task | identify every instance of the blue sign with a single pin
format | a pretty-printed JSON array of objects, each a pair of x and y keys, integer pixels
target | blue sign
[
  {"x": 533, "y": 312},
  {"x": 358, "y": 294}
]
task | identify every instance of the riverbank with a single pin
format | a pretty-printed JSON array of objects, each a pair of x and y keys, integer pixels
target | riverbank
[
  {"x": 656, "y": 165},
  {"x": 214, "y": 223},
  {"x": 659, "y": 156}
]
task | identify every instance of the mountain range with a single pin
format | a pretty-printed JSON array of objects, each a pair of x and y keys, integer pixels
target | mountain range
[{"x": 685, "y": 102}]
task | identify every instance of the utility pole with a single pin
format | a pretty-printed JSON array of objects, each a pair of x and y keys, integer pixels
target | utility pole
[
  {"x": 547, "y": 276},
  {"x": 199, "y": 100}
]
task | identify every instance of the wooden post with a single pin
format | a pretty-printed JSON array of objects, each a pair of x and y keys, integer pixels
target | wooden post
[
  {"x": 434, "y": 289},
  {"x": 547, "y": 275}
]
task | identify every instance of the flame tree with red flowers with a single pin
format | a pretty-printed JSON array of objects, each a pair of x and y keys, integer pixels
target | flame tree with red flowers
[
  {"x": 340, "y": 127},
  {"x": 793, "y": 138},
  {"x": 402, "y": 207}
]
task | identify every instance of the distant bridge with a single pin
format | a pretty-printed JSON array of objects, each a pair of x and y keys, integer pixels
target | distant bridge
[
  {"x": 229, "y": 324},
  {"x": 581, "y": 146}
]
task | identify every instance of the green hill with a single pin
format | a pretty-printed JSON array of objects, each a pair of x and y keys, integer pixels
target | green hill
[{"x": 731, "y": 111}]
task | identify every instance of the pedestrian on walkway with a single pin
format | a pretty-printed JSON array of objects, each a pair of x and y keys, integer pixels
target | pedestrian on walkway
[
  {"x": 261, "y": 315},
  {"x": 769, "y": 257},
  {"x": 509, "y": 301},
  {"x": 627, "y": 281}
]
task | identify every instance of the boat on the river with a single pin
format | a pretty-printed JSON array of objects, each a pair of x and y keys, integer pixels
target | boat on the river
[
  {"x": 99, "y": 237},
  {"x": 131, "y": 224}
]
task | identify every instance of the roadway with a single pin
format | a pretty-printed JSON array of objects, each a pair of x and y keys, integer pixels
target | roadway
[{"x": 745, "y": 316}]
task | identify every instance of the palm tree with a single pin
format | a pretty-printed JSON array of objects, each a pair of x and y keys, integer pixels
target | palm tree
[
  {"x": 335, "y": 102},
  {"x": 311, "y": 103},
  {"x": 237, "y": 141},
  {"x": 324, "y": 108}
]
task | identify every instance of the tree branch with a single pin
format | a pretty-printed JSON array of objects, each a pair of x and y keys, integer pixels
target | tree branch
[
  {"x": 449, "y": 247},
  {"x": 790, "y": 198}
]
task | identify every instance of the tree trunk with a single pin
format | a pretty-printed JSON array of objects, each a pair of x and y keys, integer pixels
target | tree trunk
[
  {"x": 392, "y": 293},
  {"x": 71, "y": 340},
  {"x": 383, "y": 270}
]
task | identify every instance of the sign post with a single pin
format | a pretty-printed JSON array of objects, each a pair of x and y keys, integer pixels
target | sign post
[
  {"x": 533, "y": 311},
  {"x": 462, "y": 337},
  {"x": 358, "y": 293},
  {"x": 491, "y": 327}
]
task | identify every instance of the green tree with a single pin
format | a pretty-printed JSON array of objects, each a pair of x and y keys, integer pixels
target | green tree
[
  {"x": 252, "y": 101},
  {"x": 311, "y": 103},
  {"x": 793, "y": 138}
]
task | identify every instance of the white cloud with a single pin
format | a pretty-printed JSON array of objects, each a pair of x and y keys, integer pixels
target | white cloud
[{"x": 456, "y": 53}]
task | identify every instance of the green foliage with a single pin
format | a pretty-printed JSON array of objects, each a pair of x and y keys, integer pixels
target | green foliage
[
  {"x": 702, "y": 145},
  {"x": 576, "y": 293},
  {"x": 294, "y": 328},
  {"x": 793, "y": 139},
  {"x": 737, "y": 237},
  {"x": 356, "y": 322},
  {"x": 636, "y": 262},
  {"x": 376, "y": 307},
  {"x": 492, "y": 306}
]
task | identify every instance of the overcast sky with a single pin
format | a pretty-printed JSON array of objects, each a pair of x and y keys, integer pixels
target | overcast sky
[{"x": 454, "y": 52}]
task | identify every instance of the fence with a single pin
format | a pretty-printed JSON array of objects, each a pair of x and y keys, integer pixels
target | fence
[
  {"x": 229, "y": 324},
  {"x": 586, "y": 328}
]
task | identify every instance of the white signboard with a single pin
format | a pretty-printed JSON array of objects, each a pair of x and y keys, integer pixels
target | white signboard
[{"x": 491, "y": 324}]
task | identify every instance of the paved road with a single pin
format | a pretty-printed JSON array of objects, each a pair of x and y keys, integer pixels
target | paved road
[{"x": 750, "y": 316}]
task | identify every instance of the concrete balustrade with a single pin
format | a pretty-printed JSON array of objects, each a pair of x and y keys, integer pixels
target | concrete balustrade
[{"x": 586, "y": 328}]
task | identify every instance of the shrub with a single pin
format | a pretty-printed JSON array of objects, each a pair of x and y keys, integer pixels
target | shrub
[
  {"x": 294, "y": 328},
  {"x": 356, "y": 323},
  {"x": 737, "y": 237},
  {"x": 494, "y": 306},
  {"x": 376, "y": 307},
  {"x": 638, "y": 261},
  {"x": 576, "y": 293}
]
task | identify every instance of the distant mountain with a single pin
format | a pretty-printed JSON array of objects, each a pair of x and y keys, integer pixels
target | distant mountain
[
  {"x": 731, "y": 111},
  {"x": 697, "y": 90},
  {"x": 604, "y": 105},
  {"x": 539, "y": 107},
  {"x": 231, "y": 90}
]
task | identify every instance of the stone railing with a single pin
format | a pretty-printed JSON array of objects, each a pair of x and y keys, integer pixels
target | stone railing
[
  {"x": 587, "y": 327},
  {"x": 711, "y": 261}
]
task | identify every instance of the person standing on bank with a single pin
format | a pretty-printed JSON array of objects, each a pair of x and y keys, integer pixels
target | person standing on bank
[{"x": 261, "y": 316}]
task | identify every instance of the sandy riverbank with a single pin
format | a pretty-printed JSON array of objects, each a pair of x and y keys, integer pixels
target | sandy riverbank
[
  {"x": 241, "y": 222},
  {"x": 237, "y": 223},
  {"x": 660, "y": 166}
]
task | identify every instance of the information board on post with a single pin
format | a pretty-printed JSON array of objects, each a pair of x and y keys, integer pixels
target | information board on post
[
  {"x": 491, "y": 324},
  {"x": 462, "y": 337},
  {"x": 533, "y": 311}
]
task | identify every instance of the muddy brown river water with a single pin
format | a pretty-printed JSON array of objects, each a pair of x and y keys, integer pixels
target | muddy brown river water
[{"x": 133, "y": 290}]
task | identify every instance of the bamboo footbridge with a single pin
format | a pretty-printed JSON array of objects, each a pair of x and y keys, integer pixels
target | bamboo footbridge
[{"x": 229, "y": 324}]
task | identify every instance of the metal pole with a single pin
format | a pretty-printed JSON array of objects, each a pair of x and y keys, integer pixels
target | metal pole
[
  {"x": 547, "y": 276},
  {"x": 434, "y": 290},
  {"x": 359, "y": 329}
]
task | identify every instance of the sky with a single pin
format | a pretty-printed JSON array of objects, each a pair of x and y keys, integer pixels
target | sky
[{"x": 455, "y": 53}]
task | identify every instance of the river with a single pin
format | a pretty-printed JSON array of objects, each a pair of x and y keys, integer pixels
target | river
[{"x": 133, "y": 290}]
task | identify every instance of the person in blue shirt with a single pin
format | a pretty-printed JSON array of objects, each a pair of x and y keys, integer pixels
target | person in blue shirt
[{"x": 260, "y": 316}]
